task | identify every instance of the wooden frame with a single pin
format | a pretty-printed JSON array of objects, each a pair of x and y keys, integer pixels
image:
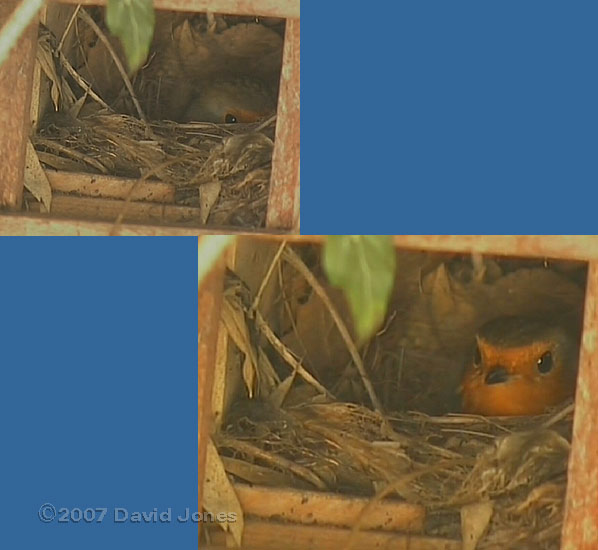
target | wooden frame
[
  {"x": 580, "y": 528},
  {"x": 69, "y": 213}
]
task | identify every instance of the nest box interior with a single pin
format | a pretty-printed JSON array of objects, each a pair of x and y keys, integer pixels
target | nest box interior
[
  {"x": 295, "y": 420},
  {"x": 187, "y": 139}
]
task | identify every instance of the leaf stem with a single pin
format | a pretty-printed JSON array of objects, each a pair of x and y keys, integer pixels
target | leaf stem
[{"x": 16, "y": 24}]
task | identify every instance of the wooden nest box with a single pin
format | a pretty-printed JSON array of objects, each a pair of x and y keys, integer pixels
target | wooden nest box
[
  {"x": 308, "y": 516},
  {"x": 86, "y": 153}
]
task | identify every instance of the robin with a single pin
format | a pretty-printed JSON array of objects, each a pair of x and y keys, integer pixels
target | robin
[
  {"x": 519, "y": 366},
  {"x": 230, "y": 100}
]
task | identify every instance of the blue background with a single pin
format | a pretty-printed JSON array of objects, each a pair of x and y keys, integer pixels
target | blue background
[
  {"x": 428, "y": 116},
  {"x": 418, "y": 117},
  {"x": 99, "y": 388}
]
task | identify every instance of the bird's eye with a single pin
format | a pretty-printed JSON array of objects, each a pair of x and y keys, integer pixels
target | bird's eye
[
  {"x": 477, "y": 356},
  {"x": 545, "y": 363},
  {"x": 230, "y": 119}
]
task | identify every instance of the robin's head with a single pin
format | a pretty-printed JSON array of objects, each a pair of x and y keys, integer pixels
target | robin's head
[
  {"x": 519, "y": 366},
  {"x": 230, "y": 100}
]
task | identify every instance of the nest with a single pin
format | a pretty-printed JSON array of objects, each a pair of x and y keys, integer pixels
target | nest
[
  {"x": 101, "y": 125},
  {"x": 191, "y": 156},
  {"x": 496, "y": 482},
  {"x": 448, "y": 464}
]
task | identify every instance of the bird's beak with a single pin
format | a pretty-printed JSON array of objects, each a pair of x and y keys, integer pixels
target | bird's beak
[{"x": 497, "y": 375}]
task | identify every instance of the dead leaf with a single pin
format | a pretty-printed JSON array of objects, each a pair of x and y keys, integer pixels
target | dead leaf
[
  {"x": 36, "y": 181},
  {"x": 249, "y": 375},
  {"x": 46, "y": 62},
  {"x": 208, "y": 195},
  {"x": 237, "y": 154},
  {"x": 474, "y": 522},
  {"x": 59, "y": 87},
  {"x": 77, "y": 106},
  {"x": 547, "y": 494},
  {"x": 233, "y": 317},
  {"x": 281, "y": 391},
  {"x": 519, "y": 459},
  {"x": 219, "y": 496}
]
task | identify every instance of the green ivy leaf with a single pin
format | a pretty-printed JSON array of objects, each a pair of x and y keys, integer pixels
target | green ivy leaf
[
  {"x": 364, "y": 267},
  {"x": 133, "y": 22}
]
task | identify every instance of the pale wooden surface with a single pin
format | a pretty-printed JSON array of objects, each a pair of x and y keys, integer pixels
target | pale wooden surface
[
  {"x": 580, "y": 528},
  {"x": 39, "y": 225},
  {"x": 269, "y": 8},
  {"x": 269, "y": 535},
  {"x": 310, "y": 507},
  {"x": 283, "y": 202},
  {"x": 209, "y": 301},
  {"x": 566, "y": 247},
  {"x": 16, "y": 81},
  {"x": 91, "y": 208},
  {"x": 110, "y": 187}
]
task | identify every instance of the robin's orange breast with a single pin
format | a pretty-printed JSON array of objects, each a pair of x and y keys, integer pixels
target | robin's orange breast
[{"x": 519, "y": 366}]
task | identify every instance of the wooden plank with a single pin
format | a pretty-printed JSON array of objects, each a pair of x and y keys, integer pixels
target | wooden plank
[
  {"x": 40, "y": 225},
  {"x": 268, "y": 8},
  {"x": 209, "y": 302},
  {"x": 567, "y": 247},
  {"x": 16, "y": 82},
  {"x": 579, "y": 247},
  {"x": 283, "y": 202},
  {"x": 310, "y": 507},
  {"x": 134, "y": 212},
  {"x": 110, "y": 187},
  {"x": 580, "y": 527},
  {"x": 270, "y": 535}
]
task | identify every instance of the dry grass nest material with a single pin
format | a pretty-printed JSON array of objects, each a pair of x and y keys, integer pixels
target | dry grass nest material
[
  {"x": 446, "y": 464},
  {"x": 189, "y": 156},
  {"x": 511, "y": 472}
]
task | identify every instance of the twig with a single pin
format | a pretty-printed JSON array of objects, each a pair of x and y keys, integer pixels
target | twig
[
  {"x": 278, "y": 461},
  {"x": 82, "y": 82},
  {"x": 72, "y": 154},
  {"x": 71, "y": 70},
  {"x": 288, "y": 310},
  {"x": 68, "y": 27},
  {"x": 298, "y": 264},
  {"x": 558, "y": 416},
  {"x": 266, "y": 123},
  {"x": 287, "y": 355},
  {"x": 267, "y": 276},
  {"x": 87, "y": 18}
]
